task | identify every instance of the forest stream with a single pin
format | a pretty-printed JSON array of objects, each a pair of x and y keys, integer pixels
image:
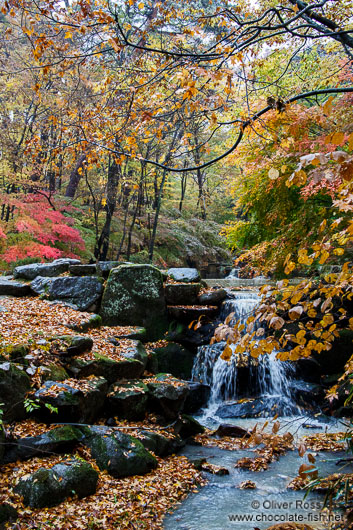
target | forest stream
[{"x": 221, "y": 504}]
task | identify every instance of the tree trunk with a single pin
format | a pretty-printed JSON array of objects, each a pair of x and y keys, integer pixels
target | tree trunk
[
  {"x": 75, "y": 177},
  {"x": 102, "y": 247}
]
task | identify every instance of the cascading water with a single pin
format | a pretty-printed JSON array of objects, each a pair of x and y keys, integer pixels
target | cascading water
[{"x": 266, "y": 379}]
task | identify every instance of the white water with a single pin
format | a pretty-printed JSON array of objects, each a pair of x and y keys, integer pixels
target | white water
[{"x": 266, "y": 378}]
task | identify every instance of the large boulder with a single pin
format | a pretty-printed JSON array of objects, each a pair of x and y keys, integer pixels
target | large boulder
[
  {"x": 14, "y": 385},
  {"x": 121, "y": 455},
  {"x": 78, "y": 401},
  {"x": 13, "y": 288},
  {"x": 182, "y": 293},
  {"x": 83, "y": 292},
  {"x": 58, "y": 440},
  {"x": 128, "y": 400},
  {"x": 55, "y": 268},
  {"x": 134, "y": 296},
  {"x": 173, "y": 359},
  {"x": 184, "y": 274},
  {"x": 49, "y": 487},
  {"x": 167, "y": 395}
]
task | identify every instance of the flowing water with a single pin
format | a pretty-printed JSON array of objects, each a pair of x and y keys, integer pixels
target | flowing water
[{"x": 266, "y": 387}]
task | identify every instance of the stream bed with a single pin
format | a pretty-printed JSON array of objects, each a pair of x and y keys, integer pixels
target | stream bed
[{"x": 221, "y": 505}]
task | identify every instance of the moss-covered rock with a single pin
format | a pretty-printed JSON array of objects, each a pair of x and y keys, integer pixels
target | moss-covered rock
[
  {"x": 134, "y": 296},
  {"x": 49, "y": 487},
  {"x": 53, "y": 372},
  {"x": 91, "y": 322},
  {"x": 132, "y": 367},
  {"x": 79, "y": 402},
  {"x": 60, "y": 440},
  {"x": 16, "y": 353},
  {"x": 121, "y": 455},
  {"x": 14, "y": 385},
  {"x": 172, "y": 359},
  {"x": 159, "y": 444},
  {"x": 128, "y": 400},
  {"x": 186, "y": 427}
]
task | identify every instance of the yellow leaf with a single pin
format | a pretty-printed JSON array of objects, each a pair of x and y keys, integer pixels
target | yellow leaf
[
  {"x": 273, "y": 174},
  {"x": 337, "y": 138},
  {"x": 350, "y": 142},
  {"x": 68, "y": 35},
  {"x": 141, "y": 5}
]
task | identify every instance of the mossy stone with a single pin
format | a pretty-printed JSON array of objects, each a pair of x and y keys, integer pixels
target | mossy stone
[
  {"x": 121, "y": 455},
  {"x": 134, "y": 296},
  {"x": 49, "y": 487}
]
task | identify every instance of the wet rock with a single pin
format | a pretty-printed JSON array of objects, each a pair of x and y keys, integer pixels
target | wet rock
[
  {"x": 307, "y": 394},
  {"x": 8, "y": 514},
  {"x": 232, "y": 430},
  {"x": 186, "y": 427},
  {"x": 213, "y": 469},
  {"x": 160, "y": 445},
  {"x": 14, "y": 386},
  {"x": 59, "y": 440},
  {"x": 167, "y": 395},
  {"x": 121, "y": 455},
  {"x": 173, "y": 359},
  {"x": 13, "y": 288},
  {"x": 213, "y": 297},
  {"x": 184, "y": 274},
  {"x": 80, "y": 401},
  {"x": 55, "y": 268},
  {"x": 182, "y": 293},
  {"x": 82, "y": 292},
  {"x": 49, "y": 487},
  {"x": 128, "y": 400},
  {"x": 197, "y": 398},
  {"x": 264, "y": 406},
  {"x": 134, "y": 296}
]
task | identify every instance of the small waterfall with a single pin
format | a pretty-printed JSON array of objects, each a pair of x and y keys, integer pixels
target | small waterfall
[
  {"x": 266, "y": 379},
  {"x": 234, "y": 273}
]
